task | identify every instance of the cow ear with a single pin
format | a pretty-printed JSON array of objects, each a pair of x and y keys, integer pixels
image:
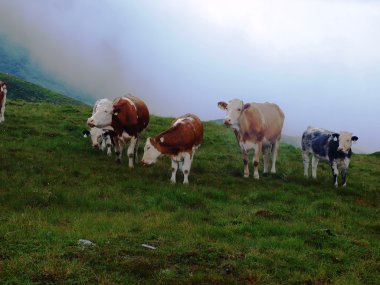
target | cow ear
[
  {"x": 246, "y": 106},
  {"x": 335, "y": 137},
  {"x": 222, "y": 105},
  {"x": 85, "y": 133},
  {"x": 116, "y": 111},
  {"x": 354, "y": 138}
]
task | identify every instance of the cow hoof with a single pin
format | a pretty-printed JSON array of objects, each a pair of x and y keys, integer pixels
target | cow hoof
[
  {"x": 256, "y": 177},
  {"x": 118, "y": 160},
  {"x": 172, "y": 181},
  {"x": 344, "y": 185}
]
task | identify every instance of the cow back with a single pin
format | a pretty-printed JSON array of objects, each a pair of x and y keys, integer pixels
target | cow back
[
  {"x": 185, "y": 133},
  {"x": 130, "y": 115},
  {"x": 261, "y": 120}
]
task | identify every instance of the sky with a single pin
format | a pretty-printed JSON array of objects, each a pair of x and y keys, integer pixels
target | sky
[{"x": 319, "y": 60}]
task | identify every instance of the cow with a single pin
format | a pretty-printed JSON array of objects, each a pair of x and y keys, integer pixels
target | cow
[
  {"x": 179, "y": 142},
  {"x": 100, "y": 138},
  {"x": 128, "y": 116},
  {"x": 326, "y": 145},
  {"x": 3, "y": 98},
  {"x": 256, "y": 126}
]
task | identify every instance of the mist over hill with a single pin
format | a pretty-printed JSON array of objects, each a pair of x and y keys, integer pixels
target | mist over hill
[{"x": 15, "y": 60}]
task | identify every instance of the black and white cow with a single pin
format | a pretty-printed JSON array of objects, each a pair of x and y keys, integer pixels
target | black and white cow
[
  {"x": 326, "y": 145},
  {"x": 101, "y": 138}
]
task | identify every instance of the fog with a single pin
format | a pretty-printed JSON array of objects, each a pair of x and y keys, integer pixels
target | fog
[{"x": 318, "y": 60}]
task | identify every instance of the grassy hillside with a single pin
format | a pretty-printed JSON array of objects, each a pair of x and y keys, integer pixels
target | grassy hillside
[
  {"x": 220, "y": 229},
  {"x": 21, "y": 89}
]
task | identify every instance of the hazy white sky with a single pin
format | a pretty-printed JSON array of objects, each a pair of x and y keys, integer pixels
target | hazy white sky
[{"x": 318, "y": 59}]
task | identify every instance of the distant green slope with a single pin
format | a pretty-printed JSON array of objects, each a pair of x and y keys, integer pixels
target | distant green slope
[{"x": 21, "y": 89}]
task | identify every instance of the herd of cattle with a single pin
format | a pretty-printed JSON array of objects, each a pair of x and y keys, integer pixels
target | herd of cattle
[{"x": 258, "y": 126}]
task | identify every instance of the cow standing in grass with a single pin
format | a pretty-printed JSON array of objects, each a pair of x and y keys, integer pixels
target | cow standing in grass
[
  {"x": 3, "y": 98},
  {"x": 326, "y": 145},
  {"x": 256, "y": 126},
  {"x": 127, "y": 116},
  {"x": 179, "y": 143}
]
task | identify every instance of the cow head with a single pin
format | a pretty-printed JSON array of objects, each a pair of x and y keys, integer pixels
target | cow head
[
  {"x": 233, "y": 109},
  {"x": 102, "y": 115},
  {"x": 345, "y": 140},
  {"x": 151, "y": 153},
  {"x": 96, "y": 136}
]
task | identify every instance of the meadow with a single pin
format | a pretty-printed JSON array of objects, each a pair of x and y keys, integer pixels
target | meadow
[{"x": 221, "y": 229}]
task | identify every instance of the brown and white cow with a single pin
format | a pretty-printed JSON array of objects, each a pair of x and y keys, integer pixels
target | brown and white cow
[
  {"x": 128, "y": 116},
  {"x": 3, "y": 98},
  {"x": 179, "y": 143},
  {"x": 256, "y": 126}
]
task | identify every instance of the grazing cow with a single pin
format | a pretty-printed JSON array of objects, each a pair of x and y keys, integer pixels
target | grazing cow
[
  {"x": 128, "y": 117},
  {"x": 100, "y": 137},
  {"x": 3, "y": 98},
  {"x": 179, "y": 143},
  {"x": 326, "y": 145},
  {"x": 256, "y": 126}
]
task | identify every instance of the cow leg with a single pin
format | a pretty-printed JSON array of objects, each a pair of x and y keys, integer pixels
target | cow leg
[
  {"x": 186, "y": 167},
  {"x": 314, "y": 164},
  {"x": 131, "y": 151},
  {"x": 108, "y": 145},
  {"x": 246, "y": 166},
  {"x": 119, "y": 145},
  {"x": 335, "y": 173},
  {"x": 274, "y": 156},
  {"x": 344, "y": 176},
  {"x": 344, "y": 172},
  {"x": 257, "y": 160},
  {"x": 174, "y": 171},
  {"x": 266, "y": 159},
  {"x": 306, "y": 161}
]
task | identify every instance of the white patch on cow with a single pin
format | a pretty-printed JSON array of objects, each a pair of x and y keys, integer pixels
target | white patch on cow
[
  {"x": 102, "y": 116},
  {"x": 345, "y": 141},
  {"x": 182, "y": 120},
  {"x": 162, "y": 139},
  {"x": 234, "y": 108},
  {"x": 130, "y": 102},
  {"x": 96, "y": 137},
  {"x": 151, "y": 154}
]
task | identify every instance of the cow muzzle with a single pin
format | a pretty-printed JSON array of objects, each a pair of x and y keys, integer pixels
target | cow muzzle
[
  {"x": 227, "y": 122},
  {"x": 95, "y": 146},
  {"x": 90, "y": 123}
]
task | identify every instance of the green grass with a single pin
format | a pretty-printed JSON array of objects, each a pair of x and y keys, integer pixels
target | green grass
[{"x": 221, "y": 229}]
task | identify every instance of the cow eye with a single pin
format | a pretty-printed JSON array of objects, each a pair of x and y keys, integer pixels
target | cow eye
[
  {"x": 148, "y": 147},
  {"x": 239, "y": 110}
]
